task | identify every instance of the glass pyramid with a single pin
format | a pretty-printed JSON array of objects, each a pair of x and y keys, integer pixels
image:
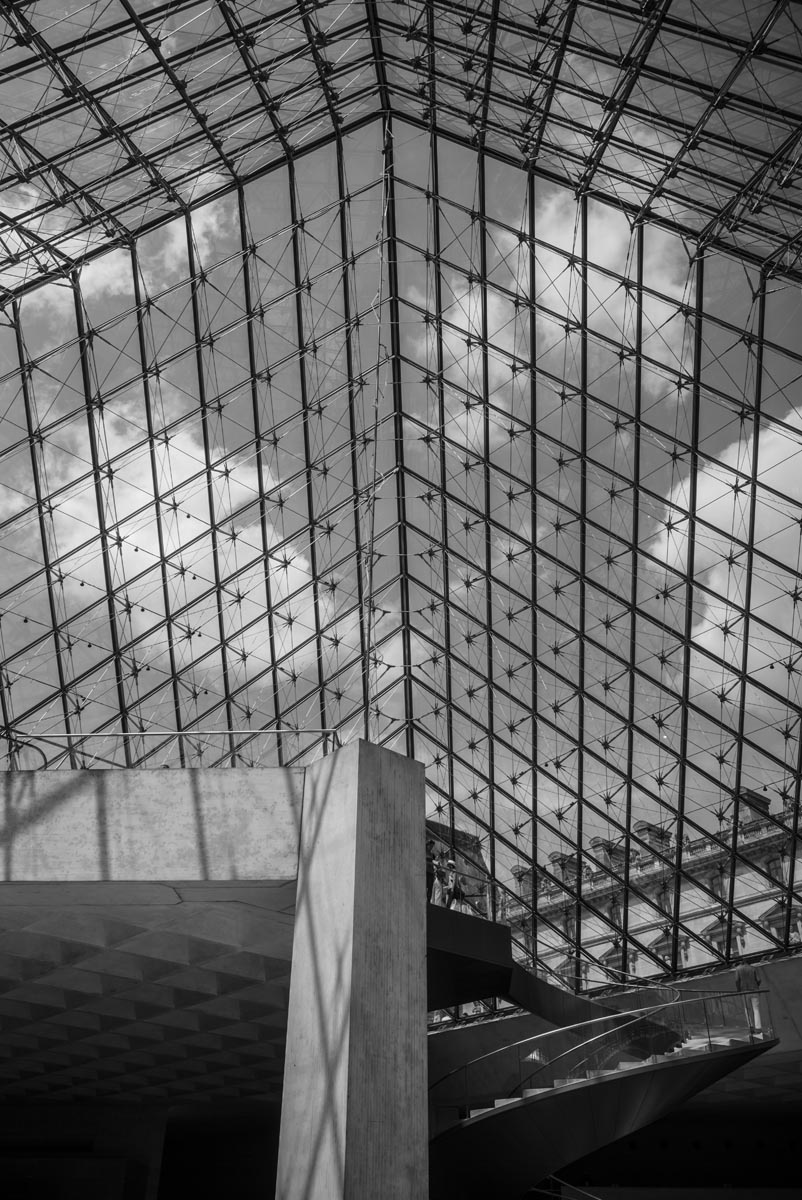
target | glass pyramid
[{"x": 425, "y": 372}]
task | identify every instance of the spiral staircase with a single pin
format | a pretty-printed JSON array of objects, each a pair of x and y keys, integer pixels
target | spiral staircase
[{"x": 506, "y": 1120}]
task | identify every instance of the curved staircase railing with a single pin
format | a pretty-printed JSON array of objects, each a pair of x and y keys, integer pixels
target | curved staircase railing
[{"x": 619, "y": 1041}]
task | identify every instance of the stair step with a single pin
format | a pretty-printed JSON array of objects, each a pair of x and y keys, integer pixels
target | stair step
[{"x": 689, "y": 1046}]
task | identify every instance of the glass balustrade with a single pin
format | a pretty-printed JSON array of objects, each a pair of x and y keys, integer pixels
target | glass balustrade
[{"x": 644, "y": 1034}]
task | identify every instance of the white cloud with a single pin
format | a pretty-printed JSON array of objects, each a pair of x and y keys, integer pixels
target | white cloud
[
  {"x": 556, "y": 288},
  {"x": 190, "y": 566},
  {"x": 611, "y": 308},
  {"x": 164, "y": 256},
  {"x": 109, "y": 274},
  {"x": 721, "y": 564}
]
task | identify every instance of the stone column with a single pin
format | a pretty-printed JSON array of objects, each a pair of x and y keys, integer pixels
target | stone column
[{"x": 354, "y": 1110}]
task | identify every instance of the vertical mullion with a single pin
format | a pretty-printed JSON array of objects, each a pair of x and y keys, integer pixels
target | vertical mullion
[
  {"x": 196, "y": 280},
  {"x": 33, "y": 433},
  {"x": 533, "y": 394},
  {"x": 321, "y": 66},
  {"x": 489, "y": 631},
  {"x": 257, "y": 445},
  {"x": 100, "y": 502},
  {"x": 583, "y": 510},
  {"x": 374, "y": 28},
  {"x": 488, "y": 538},
  {"x": 8, "y": 724},
  {"x": 441, "y": 417},
  {"x": 792, "y": 849},
  {"x": 398, "y": 430},
  {"x": 365, "y": 620},
  {"x": 310, "y": 491},
  {"x": 157, "y": 503},
  {"x": 633, "y": 585},
  {"x": 689, "y": 596},
  {"x": 750, "y": 556}
]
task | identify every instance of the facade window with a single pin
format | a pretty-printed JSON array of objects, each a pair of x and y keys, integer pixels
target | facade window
[
  {"x": 774, "y": 922},
  {"x": 778, "y": 866},
  {"x": 664, "y": 895},
  {"x": 613, "y": 962},
  {"x": 662, "y": 948},
  {"x": 573, "y": 971},
  {"x": 716, "y": 935}
]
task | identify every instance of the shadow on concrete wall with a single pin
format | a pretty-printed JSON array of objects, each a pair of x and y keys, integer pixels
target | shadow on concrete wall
[
  {"x": 221, "y": 824},
  {"x": 332, "y": 1038}
]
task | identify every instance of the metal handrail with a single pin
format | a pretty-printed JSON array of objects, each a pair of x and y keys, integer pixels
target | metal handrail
[
  {"x": 133, "y": 733},
  {"x": 582, "y": 1045},
  {"x": 632, "y": 982},
  {"x": 18, "y": 740},
  {"x": 546, "y": 1034},
  {"x": 583, "y": 1024}
]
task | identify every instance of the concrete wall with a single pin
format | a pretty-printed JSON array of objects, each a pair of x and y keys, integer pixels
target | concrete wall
[
  {"x": 150, "y": 825},
  {"x": 338, "y": 849},
  {"x": 353, "y": 1122},
  {"x": 782, "y": 979}
]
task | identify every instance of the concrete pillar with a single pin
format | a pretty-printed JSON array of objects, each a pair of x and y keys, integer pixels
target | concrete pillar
[{"x": 353, "y": 1120}]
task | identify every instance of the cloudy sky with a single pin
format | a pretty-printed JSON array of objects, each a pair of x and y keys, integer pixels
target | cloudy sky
[
  {"x": 202, "y": 476},
  {"x": 745, "y": 488}
]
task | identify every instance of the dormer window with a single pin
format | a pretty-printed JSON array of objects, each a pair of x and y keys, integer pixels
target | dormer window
[
  {"x": 662, "y": 947},
  {"x": 774, "y": 922},
  {"x": 776, "y": 865},
  {"x": 612, "y": 961},
  {"x": 573, "y": 971},
  {"x": 716, "y": 935},
  {"x": 716, "y": 883}
]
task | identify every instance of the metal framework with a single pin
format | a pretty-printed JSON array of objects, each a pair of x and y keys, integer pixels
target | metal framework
[{"x": 430, "y": 372}]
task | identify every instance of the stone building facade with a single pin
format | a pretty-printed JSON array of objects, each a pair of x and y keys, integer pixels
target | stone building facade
[{"x": 622, "y": 925}]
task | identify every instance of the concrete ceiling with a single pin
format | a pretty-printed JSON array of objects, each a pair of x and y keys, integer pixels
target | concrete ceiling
[{"x": 157, "y": 993}]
